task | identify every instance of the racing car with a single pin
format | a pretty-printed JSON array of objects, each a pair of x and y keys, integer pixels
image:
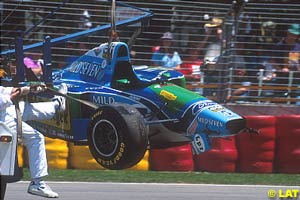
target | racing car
[{"x": 120, "y": 110}]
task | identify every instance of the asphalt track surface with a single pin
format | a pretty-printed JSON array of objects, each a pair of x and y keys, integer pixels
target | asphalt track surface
[{"x": 148, "y": 191}]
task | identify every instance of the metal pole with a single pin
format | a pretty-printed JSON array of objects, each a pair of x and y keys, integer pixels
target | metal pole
[
  {"x": 290, "y": 83},
  {"x": 47, "y": 66},
  {"x": 260, "y": 82},
  {"x": 20, "y": 67}
]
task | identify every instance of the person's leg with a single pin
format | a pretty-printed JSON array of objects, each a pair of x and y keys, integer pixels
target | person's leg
[
  {"x": 41, "y": 110},
  {"x": 35, "y": 145},
  {"x": 34, "y": 142},
  {"x": 38, "y": 111}
]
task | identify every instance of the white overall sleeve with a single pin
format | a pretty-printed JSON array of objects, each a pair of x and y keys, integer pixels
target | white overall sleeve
[{"x": 5, "y": 97}]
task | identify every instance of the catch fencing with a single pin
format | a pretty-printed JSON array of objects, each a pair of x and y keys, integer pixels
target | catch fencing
[{"x": 250, "y": 31}]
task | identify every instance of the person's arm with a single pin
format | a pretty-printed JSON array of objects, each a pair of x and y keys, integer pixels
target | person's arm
[
  {"x": 15, "y": 92},
  {"x": 5, "y": 90},
  {"x": 9, "y": 94},
  {"x": 177, "y": 60},
  {"x": 5, "y": 98}
]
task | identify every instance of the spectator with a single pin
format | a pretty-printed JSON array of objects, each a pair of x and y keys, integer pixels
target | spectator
[
  {"x": 240, "y": 77},
  {"x": 164, "y": 55},
  {"x": 32, "y": 61},
  {"x": 2, "y": 70},
  {"x": 240, "y": 93},
  {"x": 211, "y": 45},
  {"x": 191, "y": 64},
  {"x": 267, "y": 42},
  {"x": 268, "y": 32},
  {"x": 288, "y": 49},
  {"x": 2, "y": 73},
  {"x": 283, "y": 58},
  {"x": 259, "y": 55},
  {"x": 85, "y": 20},
  {"x": 212, "y": 40},
  {"x": 237, "y": 60}
]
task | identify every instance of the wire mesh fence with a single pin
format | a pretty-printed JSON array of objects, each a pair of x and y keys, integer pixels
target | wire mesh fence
[{"x": 245, "y": 62}]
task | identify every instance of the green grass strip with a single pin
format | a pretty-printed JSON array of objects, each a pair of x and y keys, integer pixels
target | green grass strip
[{"x": 169, "y": 177}]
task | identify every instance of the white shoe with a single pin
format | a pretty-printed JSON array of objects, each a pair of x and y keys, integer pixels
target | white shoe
[
  {"x": 63, "y": 89},
  {"x": 41, "y": 189}
]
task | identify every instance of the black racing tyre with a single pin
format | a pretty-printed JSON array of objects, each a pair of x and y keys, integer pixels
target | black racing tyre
[{"x": 117, "y": 136}]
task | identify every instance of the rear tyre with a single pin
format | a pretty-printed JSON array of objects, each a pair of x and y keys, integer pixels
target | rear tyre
[{"x": 117, "y": 136}]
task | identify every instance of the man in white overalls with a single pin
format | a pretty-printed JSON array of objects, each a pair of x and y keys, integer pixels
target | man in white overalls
[{"x": 32, "y": 139}]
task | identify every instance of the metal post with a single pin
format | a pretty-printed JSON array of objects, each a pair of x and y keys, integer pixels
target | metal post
[
  {"x": 47, "y": 67},
  {"x": 290, "y": 83},
  {"x": 230, "y": 82},
  {"x": 20, "y": 67},
  {"x": 260, "y": 82}
]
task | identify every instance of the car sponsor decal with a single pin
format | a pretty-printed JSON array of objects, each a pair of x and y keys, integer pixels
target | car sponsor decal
[
  {"x": 103, "y": 100},
  {"x": 177, "y": 98},
  {"x": 200, "y": 143},
  {"x": 201, "y": 105},
  {"x": 116, "y": 159},
  {"x": 93, "y": 70},
  {"x": 216, "y": 108},
  {"x": 168, "y": 95},
  {"x": 210, "y": 122}
]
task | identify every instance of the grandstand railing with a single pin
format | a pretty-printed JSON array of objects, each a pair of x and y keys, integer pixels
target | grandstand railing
[{"x": 283, "y": 90}]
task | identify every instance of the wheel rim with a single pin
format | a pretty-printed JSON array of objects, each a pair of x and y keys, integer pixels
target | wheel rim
[{"x": 105, "y": 138}]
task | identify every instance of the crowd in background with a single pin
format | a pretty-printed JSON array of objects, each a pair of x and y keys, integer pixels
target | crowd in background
[{"x": 275, "y": 57}]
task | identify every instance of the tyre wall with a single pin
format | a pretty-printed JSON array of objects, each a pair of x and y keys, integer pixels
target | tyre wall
[
  {"x": 221, "y": 158},
  {"x": 288, "y": 144},
  {"x": 57, "y": 153},
  {"x": 275, "y": 149},
  {"x": 21, "y": 155},
  {"x": 81, "y": 158},
  {"x": 177, "y": 158},
  {"x": 256, "y": 152},
  {"x": 143, "y": 164}
]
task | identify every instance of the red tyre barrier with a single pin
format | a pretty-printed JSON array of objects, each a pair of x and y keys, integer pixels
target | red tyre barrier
[
  {"x": 172, "y": 159},
  {"x": 256, "y": 152},
  {"x": 287, "y": 157},
  {"x": 221, "y": 158}
]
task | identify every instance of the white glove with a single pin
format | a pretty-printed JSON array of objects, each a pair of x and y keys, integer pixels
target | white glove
[{"x": 24, "y": 90}]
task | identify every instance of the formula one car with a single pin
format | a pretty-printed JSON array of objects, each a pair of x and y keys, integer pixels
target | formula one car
[{"x": 122, "y": 110}]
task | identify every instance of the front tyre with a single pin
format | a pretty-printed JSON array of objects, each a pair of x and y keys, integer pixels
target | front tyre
[{"x": 117, "y": 136}]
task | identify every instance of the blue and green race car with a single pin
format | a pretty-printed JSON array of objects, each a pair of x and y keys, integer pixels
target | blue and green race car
[{"x": 122, "y": 110}]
